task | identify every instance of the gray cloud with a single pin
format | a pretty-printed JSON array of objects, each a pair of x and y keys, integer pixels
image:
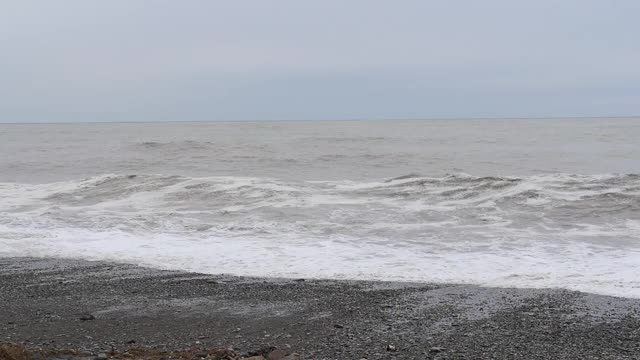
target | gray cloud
[{"x": 230, "y": 60}]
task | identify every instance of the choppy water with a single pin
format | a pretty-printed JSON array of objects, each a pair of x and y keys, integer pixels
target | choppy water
[{"x": 528, "y": 203}]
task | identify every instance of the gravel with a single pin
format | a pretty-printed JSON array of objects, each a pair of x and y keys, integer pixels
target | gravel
[{"x": 98, "y": 307}]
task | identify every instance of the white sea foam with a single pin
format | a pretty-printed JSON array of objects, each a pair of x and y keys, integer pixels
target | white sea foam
[
  {"x": 558, "y": 230},
  {"x": 573, "y": 266}
]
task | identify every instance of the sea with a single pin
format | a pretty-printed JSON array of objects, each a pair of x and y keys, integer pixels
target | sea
[{"x": 540, "y": 203}]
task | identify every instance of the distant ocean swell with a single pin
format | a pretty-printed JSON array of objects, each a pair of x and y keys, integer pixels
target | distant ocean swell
[{"x": 561, "y": 230}]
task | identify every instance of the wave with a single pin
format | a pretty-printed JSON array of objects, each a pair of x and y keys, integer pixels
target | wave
[
  {"x": 406, "y": 207},
  {"x": 511, "y": 231},
  {"x": 456, "y": 189},
  {"x": 183, "y": 145}
]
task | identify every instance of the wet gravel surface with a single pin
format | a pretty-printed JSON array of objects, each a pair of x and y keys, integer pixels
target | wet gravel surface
[{"x": 97, "y": 306}]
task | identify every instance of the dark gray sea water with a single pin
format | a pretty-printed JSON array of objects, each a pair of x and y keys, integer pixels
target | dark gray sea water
[{"x": 526, "y": 203}]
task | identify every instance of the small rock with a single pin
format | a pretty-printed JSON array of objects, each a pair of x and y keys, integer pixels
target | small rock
[
  {"x": 198, "y": 342},
  {"x": 202, "y": 337},
  {"x": 87, "y": 317},
  {"x": 338, "y": 326},
  {"x": 277, "y": 355},
  {"x": 102, "y": 356},
  {"x": 262, "y": 352},
  {"x": 391, "y": 348},
  {"x": 131, "y": 342},
  {"x": 436, "y": 349}
]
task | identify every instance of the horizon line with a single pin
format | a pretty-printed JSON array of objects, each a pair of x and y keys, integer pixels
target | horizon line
[{"x": 320, "y": 120}]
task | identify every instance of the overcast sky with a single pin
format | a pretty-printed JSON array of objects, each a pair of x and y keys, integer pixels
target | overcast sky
[{"x": 134, "y": 60}]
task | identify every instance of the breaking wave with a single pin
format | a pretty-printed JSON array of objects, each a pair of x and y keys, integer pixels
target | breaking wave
[
  {"x": 562, "y": 230},
  {"x": 556, "y": 187}
]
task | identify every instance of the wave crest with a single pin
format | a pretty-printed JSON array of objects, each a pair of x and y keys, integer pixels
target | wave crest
[{"x": 559, "y": 188}]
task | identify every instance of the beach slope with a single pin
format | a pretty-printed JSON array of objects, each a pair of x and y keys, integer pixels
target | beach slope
[{"x": 98, "y": 306}]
